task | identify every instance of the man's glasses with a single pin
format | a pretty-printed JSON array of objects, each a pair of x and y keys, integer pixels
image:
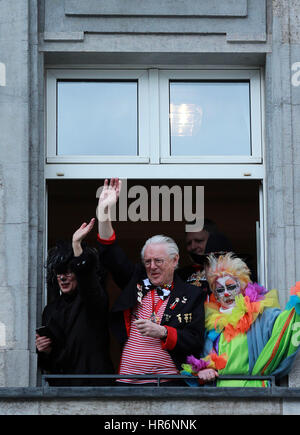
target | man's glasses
[{"x": 157, "y": 261}]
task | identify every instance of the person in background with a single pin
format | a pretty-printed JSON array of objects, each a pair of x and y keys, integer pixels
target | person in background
[
  {"x": 198, "y": 245},
  {"x": 75, "y": 337}
]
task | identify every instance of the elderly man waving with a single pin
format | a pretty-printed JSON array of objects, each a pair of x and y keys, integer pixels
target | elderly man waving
[{"x": 158, "y": 318}]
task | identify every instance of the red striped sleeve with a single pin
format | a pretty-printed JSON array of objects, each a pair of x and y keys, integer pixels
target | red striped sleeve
[
  {"x": 171, "y": 339},
  {"x": 107, "y": 241}
]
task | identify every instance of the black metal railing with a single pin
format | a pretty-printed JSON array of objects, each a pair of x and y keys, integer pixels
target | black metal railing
[
  {"x": 106, "y": 387},
  {"x": 156, "y": 380}
]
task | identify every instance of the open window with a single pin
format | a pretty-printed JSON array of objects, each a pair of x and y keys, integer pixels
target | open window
[{"x": 232, "y": 205}]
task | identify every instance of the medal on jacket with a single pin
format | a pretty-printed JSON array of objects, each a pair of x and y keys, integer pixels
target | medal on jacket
[
  {"x": 154, "y": 317},
  {"x": 173, "y": 305},
  {"x": 139, "y": 293},
  {"x": 143, "y": 289}
]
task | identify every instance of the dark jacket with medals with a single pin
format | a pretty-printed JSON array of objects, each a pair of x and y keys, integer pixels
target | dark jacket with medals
[
  {"x": 183, "y": 316},
  {"x": 194, "y": 273}
]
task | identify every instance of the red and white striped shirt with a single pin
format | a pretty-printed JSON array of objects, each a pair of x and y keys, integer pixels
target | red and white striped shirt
[{"x": 145, "y": 355}]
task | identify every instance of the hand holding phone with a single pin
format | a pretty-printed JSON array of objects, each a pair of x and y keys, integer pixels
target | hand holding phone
[
  {"x": 43, "y": 340},
  {"x": 43, "y": 331}
]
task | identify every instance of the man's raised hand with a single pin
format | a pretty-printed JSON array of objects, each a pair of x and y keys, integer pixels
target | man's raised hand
[{"x": 108, "y": 198}]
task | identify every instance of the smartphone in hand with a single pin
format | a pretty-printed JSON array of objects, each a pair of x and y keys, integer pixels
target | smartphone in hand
[{"x": 44, "y": 331}]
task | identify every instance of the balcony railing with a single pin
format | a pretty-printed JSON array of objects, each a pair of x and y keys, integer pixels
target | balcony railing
[
  {"x": 156, "y": 380},
  {"x": 107, "y": 387}
]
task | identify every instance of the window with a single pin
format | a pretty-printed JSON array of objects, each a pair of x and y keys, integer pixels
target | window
[
  {"x": 154, "y": 116},
  {"x": 88, "y": 113},
  {"x": 70, "y": 202},
  {"x": 215, "y": 116},
  {"x": 209, "y": 118},
  {"x": 97, "y": 116}
]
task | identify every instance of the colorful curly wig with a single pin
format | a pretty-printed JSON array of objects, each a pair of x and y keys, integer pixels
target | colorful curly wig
[{"x": 227, "y": 264}]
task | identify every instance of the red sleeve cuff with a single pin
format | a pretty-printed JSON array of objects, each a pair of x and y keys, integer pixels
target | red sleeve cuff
[
  {"x": 171, "y": 340},
  {"x": 107, "y": 241}
]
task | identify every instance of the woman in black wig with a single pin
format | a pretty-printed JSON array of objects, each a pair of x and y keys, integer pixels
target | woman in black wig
[{"x": 76, "y": 338}]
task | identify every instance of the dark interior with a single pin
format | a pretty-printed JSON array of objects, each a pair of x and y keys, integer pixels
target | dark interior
[{"x": 232, "y": 204}]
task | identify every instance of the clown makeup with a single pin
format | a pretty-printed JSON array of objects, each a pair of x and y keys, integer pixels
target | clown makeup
[{"x": 227, "y": 288}]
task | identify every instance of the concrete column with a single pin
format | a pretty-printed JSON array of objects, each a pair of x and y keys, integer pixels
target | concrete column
[
  {"x": 17, "y": 246},
  {"x": 283, "y": 159}
]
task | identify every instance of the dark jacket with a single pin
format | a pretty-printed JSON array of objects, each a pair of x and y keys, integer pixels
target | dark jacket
[
  {"x": 216, "y": 242},
  {"x": 79, "y": 326},
  {"x": 185, "y": 319}
]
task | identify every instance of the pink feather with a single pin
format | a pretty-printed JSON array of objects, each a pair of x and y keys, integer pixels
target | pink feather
[{"x": 197, "y": 364}]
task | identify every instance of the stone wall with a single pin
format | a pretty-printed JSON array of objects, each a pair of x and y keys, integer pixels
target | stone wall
[{"x": 248, "y": 32}]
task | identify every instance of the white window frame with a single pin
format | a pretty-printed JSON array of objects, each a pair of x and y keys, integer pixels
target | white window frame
[
  {"x": 52, "y": 77},
  {"x": 255, "y": 112},
  {"x": 154, "y": 159}
]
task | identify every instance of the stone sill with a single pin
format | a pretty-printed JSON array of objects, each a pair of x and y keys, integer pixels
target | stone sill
[{"x": 132, "y": 392}]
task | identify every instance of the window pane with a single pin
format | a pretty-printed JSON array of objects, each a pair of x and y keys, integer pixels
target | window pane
[
  {"x": 97, "y": 118},
  {"x": 210, "y": 118}
]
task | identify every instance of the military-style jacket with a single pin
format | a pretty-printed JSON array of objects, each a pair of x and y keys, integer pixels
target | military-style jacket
[{"x": 183, "y": 316}]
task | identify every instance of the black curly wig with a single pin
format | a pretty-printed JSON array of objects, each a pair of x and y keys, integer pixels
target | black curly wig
[{"x": 60, "y": 260}]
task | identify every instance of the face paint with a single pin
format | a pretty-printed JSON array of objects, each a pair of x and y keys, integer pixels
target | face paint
[{"x": 227, "y": 288}]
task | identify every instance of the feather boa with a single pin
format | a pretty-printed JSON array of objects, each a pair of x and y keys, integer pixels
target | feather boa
[
  {"x": 211, "y": 361},
  {"x": 247, "y": 307},
  {"x": 294, "y": 301}
]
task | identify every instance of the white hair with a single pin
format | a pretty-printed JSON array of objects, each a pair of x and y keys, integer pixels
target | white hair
[{"x": 172, "y": 248}]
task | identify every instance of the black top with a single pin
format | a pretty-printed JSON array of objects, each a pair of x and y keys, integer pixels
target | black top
[
  {"x": 79, "y": 326},
  {"x": 193, "y": 274}
]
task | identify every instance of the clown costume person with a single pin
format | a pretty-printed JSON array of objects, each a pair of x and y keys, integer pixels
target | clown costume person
[{"x": 246, "y": 332}]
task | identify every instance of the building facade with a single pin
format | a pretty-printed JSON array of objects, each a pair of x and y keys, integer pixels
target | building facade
[{"x": 156, "y": 50}]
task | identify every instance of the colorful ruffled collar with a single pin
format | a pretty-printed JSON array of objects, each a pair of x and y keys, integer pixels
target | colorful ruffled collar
[{"x": 247, "y": 307}]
